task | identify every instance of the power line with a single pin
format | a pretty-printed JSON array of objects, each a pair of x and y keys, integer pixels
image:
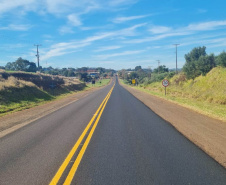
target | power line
[{"x": 176, "y": 55}]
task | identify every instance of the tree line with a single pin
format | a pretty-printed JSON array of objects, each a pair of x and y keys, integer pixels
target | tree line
[
  {"x": 82, "y": 73},
  {"x": 197, "y": 62}
]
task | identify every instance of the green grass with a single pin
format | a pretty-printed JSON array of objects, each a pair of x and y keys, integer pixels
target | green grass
[
  {"x": 14, "y": 99},
  {"x": 205, "y": 94},
  {"x": 16, "y": 95},
  {"x": 99, "y": 83}
]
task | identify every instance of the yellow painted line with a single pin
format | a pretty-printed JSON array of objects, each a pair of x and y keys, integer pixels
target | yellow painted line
[
  {"x": 62, "y": 168},
  {"x": 82, "y": 151}
]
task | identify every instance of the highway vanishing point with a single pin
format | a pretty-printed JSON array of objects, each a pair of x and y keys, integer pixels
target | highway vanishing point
[{"x": 106, "y": 138}]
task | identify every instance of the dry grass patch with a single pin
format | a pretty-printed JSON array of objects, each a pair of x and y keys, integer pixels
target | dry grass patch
[{"x": 14, "y": 83}]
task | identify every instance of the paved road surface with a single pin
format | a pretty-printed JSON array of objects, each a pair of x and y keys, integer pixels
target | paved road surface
[{"x": 130, "y": 145}]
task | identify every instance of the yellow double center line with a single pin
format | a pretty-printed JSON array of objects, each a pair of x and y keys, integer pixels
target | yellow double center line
[{"x": 73, "y": 170}]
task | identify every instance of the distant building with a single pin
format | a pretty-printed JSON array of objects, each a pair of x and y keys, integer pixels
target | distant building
[{"x": 93, "y": 73}]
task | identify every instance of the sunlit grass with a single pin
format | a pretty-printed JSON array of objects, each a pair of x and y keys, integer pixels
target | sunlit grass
[
  {"x": 98, "y": 83},
  {"x": 205, "y": 94},
  {"x": 18, "y": 95}
]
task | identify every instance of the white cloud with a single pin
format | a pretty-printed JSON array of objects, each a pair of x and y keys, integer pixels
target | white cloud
[
  {"x": 62, "y": 49},
  {"x": 107, "y": 48},
  {"x": 207, "y": 41},
  {"x": 7, "y": 5},
  {"x": 66, "y": 47},
  {"x": 16, "y": 27},
  {"x": 204, "y": 26},
  {"x": 103, "y": 57},
  {"x": 131, "y": 30},
  {"x": 163, "y": 32},
  {"x": 58, "y": 7},
  {"x": 159, "y": 29},
  {"x": 65, "y": 29},
  {"x": 121, "y": 2},
  {"x": 99, "y": 37},
  {"x": 74, "y": 20},
  {"x": 124, "y": 19},
  {"x": 115, "y": 34},
  {"x": 155, "y": 38},
  {"x": 95, "y": 27}
]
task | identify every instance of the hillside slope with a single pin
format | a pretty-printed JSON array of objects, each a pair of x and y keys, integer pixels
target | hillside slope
[
  {"x": 205, "y": 94},
  {"x": 209, "y": 88},
  {"x": 20, "y": 90}
]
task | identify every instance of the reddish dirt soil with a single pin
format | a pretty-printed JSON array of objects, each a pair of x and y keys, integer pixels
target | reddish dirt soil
[{"x": 207, "y": 133}]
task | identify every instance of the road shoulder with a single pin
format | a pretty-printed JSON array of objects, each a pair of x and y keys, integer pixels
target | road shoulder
[
  {"x": 207, "y": 133},
  {"x": 11, "y": 122}
]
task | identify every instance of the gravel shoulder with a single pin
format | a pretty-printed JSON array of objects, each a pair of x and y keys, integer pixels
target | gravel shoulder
[{"x": 207, "y": 133}]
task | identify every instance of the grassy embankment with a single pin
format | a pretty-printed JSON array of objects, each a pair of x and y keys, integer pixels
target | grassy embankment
[
  {"x": 204, "y": 94},
  {"x": 20, "y": 90},
  {"x": 99, "y": 83}
]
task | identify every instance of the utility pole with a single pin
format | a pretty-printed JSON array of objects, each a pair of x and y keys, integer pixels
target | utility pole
[
  {"x": 37, "y": 53},
  {"x": 149, "y": 73},
  {"x": 158, "y": 65},
  {"x": 176, "y": 55}
]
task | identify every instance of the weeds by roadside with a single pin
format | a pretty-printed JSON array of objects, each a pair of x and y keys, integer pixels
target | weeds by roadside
[
  {"x": 99, "y": 83},
  {"x": 204, "y": 94}
]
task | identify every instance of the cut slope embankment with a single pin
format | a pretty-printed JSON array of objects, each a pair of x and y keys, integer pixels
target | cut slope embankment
[
  {"x": 204, "y": 94},
  {"x": 20, "y": 90}
]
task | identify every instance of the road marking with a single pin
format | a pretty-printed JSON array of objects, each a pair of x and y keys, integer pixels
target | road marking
[
  {"x": 82, "y": 151},
  {"x": 62, "y": 168}
]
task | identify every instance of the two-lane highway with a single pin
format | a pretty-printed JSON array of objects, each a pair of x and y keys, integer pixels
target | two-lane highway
[
  {"x": 126, "y": 143},
  {"x": 34, "y": 153}
]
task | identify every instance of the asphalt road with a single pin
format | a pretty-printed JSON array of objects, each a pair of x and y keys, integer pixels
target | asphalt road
[{"x": 130, "y": 145}]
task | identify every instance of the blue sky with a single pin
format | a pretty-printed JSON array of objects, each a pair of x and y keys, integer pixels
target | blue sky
[{"x": 111, "y": 34}]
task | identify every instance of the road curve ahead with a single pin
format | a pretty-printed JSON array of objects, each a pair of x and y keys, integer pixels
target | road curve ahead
[{"x": 106, "y": 138}]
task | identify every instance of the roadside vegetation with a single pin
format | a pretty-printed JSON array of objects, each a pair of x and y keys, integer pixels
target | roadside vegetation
[
  {"x": 24, "y": 85},
  {"x": 84, "y": 73},
  {"x": 23, "y": 90},
  {"x": 98, "y": 83},
  {"x": 200, "y": 85}
]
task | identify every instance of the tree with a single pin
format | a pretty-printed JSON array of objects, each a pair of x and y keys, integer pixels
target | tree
[
  {"x": 221, "y": 59},
  {"x": 198, "y": 62},
  {"x": 71, "y": 73},
  {"x": 9, "y": 66},
  {"x": 32, "y": 67},
  {"x": 83, "y": 69},
  {"x": 21, "y": 65},
  {"x": 205, "y": 64},
  {"x": 137, "y": 68},
  {"x": 195, "y": 54},
  {"x": 65, "y": 73},
  {"x": 161, "y": 69},
  {"x": 100, "y": 70},
  {"x": 133, "y": 75}
]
